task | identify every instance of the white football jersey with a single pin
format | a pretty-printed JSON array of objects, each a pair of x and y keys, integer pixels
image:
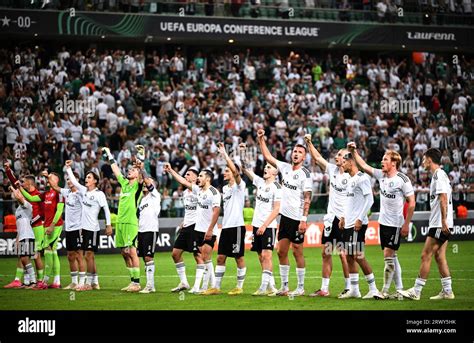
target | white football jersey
[
  {"x": 393, "y": 192},
  {"x": 149, "y": 212},
  {"x": 23, "y": 216},
  {"x": 439, "y": 185},
  {"x": 234, "y": 201},
  {"x": 92, "y": 202},
  {"x": 267, "y": 195},
  {"x": 294, "y": 183},
  {"x": 337, "y": 190},
  {"x": 359, "y": 187},
  {"x": 207, "y": 200},
  {"x": 190, "y": 208},
  {"x": 73, "y": 212}
]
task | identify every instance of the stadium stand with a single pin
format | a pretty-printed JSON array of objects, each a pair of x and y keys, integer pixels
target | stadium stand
[{"x": 179, "y": 106}]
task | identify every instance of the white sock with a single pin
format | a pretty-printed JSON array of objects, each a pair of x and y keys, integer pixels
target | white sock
[
  {"x": 220, "y": 270},
  {"x": 266, "y": 275},
  {"x": 26, "y": 276},
  {"x": 45, "y": 278},
  {"x": 271, "y": 282},
  {"x": 388, "y": 273},
  {"x": 30, "y": 273},
  {"x": 397, "y": 278},
  {"x": 241, "y": 276},
  {"x": 300, "y": 273},
  {"x": 57, "y": 279},
  {"x": 199, "y": 274},
  {"x": 325, "y": 284},
  {"x": 150, "y": 273},
  {"x": 74, "y": 278},
  {"x": 354, "y": 277},
  {"x": 284, "y": 272},
  {"x": 209, "y": 276},
  {"x": 181, "y": 269},
  {"x": 419, "y": 283},
  {"x": 82, "y": 278},
  {"x": 370, "y": 278},
  {"x": 446, "y": 284},
  {"x": 89, "y": 279},
  {"x": 347, "y": 283},
  {"x": 95, "y": 279}
]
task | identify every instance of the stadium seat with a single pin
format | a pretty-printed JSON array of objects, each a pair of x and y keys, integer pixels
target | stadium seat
[{"x": 9, "y": 223}]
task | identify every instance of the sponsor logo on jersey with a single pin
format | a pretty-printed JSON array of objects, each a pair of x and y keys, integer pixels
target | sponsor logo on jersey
[
  {"x": 259, "y": 197},
  {"x": 388, "y": 195},
  {"x": 338, "y": 189},
  {"x": 290, "y": 186},
  {"x": 204, "y": 206}
]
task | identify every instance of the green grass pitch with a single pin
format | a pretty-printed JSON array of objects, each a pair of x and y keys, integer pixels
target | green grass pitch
[{"x": 113, "y": 276}]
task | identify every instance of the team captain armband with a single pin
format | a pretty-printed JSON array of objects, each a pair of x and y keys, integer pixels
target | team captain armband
[{"x": 150, "y": 187}]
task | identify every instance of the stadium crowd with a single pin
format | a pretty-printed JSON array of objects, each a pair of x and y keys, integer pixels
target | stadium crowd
[{"x": 68, "y": 104}]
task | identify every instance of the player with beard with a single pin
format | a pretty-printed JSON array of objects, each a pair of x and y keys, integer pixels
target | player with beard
[{"x": 294, "y": 208}]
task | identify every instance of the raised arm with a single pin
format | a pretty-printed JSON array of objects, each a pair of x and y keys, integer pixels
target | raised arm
[
  {"x": 29, "y": 197},
  {"x": 315, "y": 155},
  {"x": 72, "y": 177},
  {"x": 11, "y": 176},
  {"x": 245, "y": 163},
  {"x": 167, "y": 168},
  {"x": 263, "y": 147},
  {"x": 351, "y": 146},
  {"x": 149, "y": 183},
  {"x": 113, "y": 163},
  {"x": 230, "y": 163},
  {"x": 18, "y": 196}
]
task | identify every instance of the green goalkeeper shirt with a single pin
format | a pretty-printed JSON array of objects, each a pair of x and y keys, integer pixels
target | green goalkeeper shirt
[{"x": 127, "y": 206}]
